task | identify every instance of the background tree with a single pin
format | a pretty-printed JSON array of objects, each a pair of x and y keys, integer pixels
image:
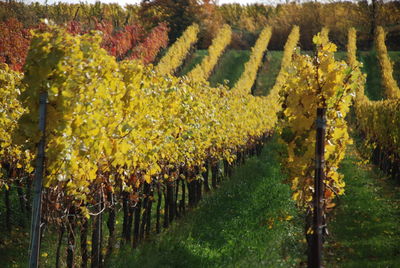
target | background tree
[
  {"x": 179, "y": 14},
  {"x": 210, "y": 22}
]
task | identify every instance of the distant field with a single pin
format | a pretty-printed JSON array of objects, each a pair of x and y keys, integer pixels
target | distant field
[
  {"x": 231, "y": 66},
  {"x": 232, "y": 63}
]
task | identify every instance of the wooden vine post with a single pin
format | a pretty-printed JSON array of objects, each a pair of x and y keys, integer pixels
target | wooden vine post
[
  {"x": 34, "y": 248},
  {"x": 315, "y": 254},
  {"x": 97, "y": 234}
]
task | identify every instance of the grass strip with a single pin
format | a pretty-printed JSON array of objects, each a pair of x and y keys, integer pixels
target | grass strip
[{"x": 365, "y": 225}]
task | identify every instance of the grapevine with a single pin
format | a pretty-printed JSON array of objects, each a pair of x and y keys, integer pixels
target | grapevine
[
  {"x": 388, "y": 82},
  {"x": 316, "y": 82},
  {"x": 12, "y": 156},
  {"x": 218, "y": 45},
  {"x": 273, "y": 97},
  {"x": 122, "y": 124},
  {"x": 375, "y": 119},
  {"x": 178, "y": 51},
  {"x": 249, "y": 75}
]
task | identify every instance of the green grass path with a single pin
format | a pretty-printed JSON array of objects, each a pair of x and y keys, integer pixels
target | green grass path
[
  {"x": 230, "y": 67},
  {"x": 246, "y": 223},
  {"x": 365, "y": 226}
]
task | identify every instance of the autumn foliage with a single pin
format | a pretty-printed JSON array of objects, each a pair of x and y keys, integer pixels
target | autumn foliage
[
  {"x": 148, "y": 49},
  {"x": 130, "y": 42},
  {"x": 14, "y": 43}
]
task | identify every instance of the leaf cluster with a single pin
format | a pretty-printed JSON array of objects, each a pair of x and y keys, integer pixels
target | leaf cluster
[{"x": 316, "y": 82}]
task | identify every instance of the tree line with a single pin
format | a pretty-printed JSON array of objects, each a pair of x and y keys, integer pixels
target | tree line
[{"x": 246, "y": 21}]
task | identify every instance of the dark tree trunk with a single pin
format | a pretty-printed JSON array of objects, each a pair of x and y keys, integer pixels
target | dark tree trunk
[
  {"x": 8, "y": 209},
  {"x": 131, "y": 211},
  {"x": 97, "y": 258},
  {"x": 171, "y": 202},
  {"x": 59, "y": 243},
  {"x": 205, "y": 177},
  {"x": 22, "y": 201},
  {"x": 214, "y": 175},
  {"x": 145, "y": 208},
  {"x": 149, "y": 209},
  {"x": 226, "y": 166},
  {"x": 227, "y": 169},
  {"x": 111, "y": 224},
  {"x": 166, "y": 209},
  {"x": 159, "y": 200},
  {"x": 71, "y": 239},
  {"x": 178, "y": 208},
  {"x": 125, "y": 210},
  {"x": 136, "y": 224},
  {"x": 183, "y": 198},
  {"x": 84, "y": 250}
]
